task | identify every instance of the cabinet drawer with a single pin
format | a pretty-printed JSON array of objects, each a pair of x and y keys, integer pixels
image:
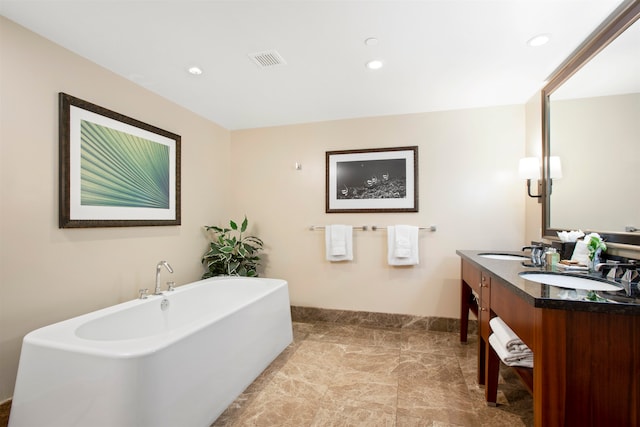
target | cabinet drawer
[{"x": 471, "y": 276}]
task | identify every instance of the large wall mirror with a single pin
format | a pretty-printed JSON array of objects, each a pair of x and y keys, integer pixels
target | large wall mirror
[{"x": 591, "y": 120}]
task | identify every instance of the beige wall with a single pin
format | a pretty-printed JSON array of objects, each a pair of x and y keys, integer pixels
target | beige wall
[
  {"x": 49, "y": 274},
  {"x": 468, "y": 187}
]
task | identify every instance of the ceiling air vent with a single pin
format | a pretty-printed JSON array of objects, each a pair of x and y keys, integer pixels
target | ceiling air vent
[{"x": 267, "y": 59}]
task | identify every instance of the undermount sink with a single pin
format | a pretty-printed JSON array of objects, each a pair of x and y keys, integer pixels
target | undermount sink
[
  {"x": 571, "y": 282},
  {"x": 506, "y": 257}
]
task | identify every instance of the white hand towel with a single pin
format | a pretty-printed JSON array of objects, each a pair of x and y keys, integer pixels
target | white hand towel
[
  {"x": 505, "y": 334},
  {"x": 402, "y": 245},
  {"x": 524, "y": 359},
  {"x": 338, "y": 239},
  {"x": 339, "y": 242}
]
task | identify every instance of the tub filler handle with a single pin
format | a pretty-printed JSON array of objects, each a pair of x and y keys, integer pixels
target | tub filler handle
[{"x": 143, "y": 293}]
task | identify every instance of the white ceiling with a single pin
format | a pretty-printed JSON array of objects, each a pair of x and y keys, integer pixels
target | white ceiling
[{"x": 438, "y": 54}]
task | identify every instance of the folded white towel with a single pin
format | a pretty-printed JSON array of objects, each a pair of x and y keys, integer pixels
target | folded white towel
[
  {"x": 339, "y": 242},
  {"x": 338, "y": 239},
  {"x": 524, "y": 359},
  {"x": 581, "y": 253},
  {"x": 402, "y": 245},
  {"x": 402, "y": 241},
  {"x": 505, "y": 334}
]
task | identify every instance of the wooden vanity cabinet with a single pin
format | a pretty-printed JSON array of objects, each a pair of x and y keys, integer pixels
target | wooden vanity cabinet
[{"x": 586, "y": 363}]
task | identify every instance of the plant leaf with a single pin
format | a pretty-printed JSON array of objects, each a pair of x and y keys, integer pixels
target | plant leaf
[
  {"x": 226, "y": 249},
  {"x": 232, "y": 267}
]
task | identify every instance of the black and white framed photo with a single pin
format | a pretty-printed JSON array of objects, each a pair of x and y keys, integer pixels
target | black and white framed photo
[{"x": 372, "y": 180}]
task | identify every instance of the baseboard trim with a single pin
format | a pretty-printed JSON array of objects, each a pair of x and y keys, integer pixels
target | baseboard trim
[{"x": 379, "y": 320}]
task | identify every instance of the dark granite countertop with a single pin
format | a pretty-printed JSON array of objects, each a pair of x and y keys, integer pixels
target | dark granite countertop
[{"x": 540, "y": 295}]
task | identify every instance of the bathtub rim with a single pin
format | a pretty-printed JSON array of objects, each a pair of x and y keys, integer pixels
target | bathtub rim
[{"x": 62, "y": 335}]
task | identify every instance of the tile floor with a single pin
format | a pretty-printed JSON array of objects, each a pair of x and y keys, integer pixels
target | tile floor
[{"x": 345, "y": 375}]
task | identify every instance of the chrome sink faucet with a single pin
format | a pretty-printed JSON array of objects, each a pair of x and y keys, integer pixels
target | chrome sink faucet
[
  {"x": 158, "y": 268},
  {"x": 537, "y": 252},
  {"x": 629, "y": 276},
  {"x": 630, "y": 273}
]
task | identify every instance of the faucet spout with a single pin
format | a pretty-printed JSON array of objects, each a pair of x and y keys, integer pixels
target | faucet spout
[{"x": 161, "y": 264}]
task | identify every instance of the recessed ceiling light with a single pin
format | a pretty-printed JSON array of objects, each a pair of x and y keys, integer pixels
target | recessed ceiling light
[
  {"x": 196, "y": 71},
  {"x": 375, "y": 64},
  {"x": 371, "y": 41},
  {"x": 539, "y": 40}
]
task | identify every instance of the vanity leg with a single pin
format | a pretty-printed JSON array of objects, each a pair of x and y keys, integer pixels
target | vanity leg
[
  {"x": 491, "y": 376},
  {"x": 465, "y": 296},
  {"x": 482, "y": 346}
]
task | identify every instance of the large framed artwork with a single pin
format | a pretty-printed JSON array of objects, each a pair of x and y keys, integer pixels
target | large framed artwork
[
  {"x": 372, "y": 180},
  {"x": 115, "y": 171}
]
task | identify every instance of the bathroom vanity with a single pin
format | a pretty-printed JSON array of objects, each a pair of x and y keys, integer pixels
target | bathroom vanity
[{"x": 586, "y": 354}]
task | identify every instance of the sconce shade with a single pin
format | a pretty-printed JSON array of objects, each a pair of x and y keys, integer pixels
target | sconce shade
[
  {"x": 555, "y": 167},
  {"x": 529, "y": 168}
]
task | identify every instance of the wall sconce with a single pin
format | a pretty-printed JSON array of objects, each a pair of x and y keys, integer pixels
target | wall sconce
[{"x": 530, "y": 167}]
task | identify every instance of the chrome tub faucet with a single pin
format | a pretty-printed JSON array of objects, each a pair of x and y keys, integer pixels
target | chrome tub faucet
[{"x": 158, "y": 268}]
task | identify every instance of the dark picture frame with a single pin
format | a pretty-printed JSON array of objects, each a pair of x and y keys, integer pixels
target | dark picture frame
[
  {"x": 372, "y": 180},
  {"x": 115, "y": 171}
]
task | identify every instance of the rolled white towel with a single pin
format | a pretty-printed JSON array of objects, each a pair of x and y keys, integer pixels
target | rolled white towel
[
  {"x": 507, "y": 337},
  {"x": 524, "y": 359}
]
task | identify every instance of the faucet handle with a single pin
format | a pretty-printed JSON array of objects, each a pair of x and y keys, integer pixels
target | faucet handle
[
  {"x": 630, "y": 275},
  {"x": 143, "y": 293},
  {"x": 171, "y": 286}
]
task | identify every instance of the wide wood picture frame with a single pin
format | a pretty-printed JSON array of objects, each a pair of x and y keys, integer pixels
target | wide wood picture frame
[
  {"x": 372, "y": 180},
  {"x": 115, "y": 171}
]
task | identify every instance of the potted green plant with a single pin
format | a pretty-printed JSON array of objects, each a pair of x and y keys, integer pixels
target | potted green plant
[
  {"x": 595, "y": 245},
  {"x": 231, "y": 253}
]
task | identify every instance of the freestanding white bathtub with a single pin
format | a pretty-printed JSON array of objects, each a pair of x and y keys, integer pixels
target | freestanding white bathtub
[{"x": 137, "y": 364}]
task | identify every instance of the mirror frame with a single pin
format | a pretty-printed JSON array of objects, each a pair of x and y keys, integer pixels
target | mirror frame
[{"x": 616, "y": 24}]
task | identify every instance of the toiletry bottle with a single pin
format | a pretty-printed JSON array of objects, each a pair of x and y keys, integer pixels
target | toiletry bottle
[{"x": 551, "y": 257}]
